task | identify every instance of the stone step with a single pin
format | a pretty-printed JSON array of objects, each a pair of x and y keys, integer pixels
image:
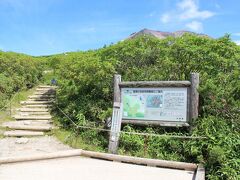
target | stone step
[
  {"x": 33, "y": 113},
  {"x": 33, "y": 117},
  {"x": 30, "y": 127},
  {"x": 44, "y": 93},
  {"x": 42, "y": 96},
  {"x": 27, "y": 122},
  {"x": 45, "y": 90},
  {"x": 46, "y": 86},
  {"x": 36, "y": 102},
  {"x": 40, "y": 99},
  {"x": 36, "y": 106},
  {"x": 20, "y": 133},
  {"x": 33, "y": 110}
]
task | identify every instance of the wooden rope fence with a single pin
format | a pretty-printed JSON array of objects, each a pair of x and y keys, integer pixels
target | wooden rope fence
[{"x": 133, "y": 133}]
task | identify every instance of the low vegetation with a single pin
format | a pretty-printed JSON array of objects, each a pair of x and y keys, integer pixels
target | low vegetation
[
  {"x": 86, "y": 91},
  {"x": 85, "y": 94},
  {"x": 10, "y": 107},
  {"x": 17, "y": 71}
]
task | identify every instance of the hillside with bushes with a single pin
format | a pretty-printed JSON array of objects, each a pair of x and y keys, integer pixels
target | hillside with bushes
[
  {"x": 17, "y": 71},
  {"x": 85, "y": 94}
]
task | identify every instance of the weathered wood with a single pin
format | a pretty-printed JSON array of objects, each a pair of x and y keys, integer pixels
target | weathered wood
[
  {"x": 45, "y": 89},
  {"x": 42, "y": 117},
  {"x": 157, "y": 123},
  {"x": 155, "y": 84},
  {"x": 117, "y": 91},
  {"x": 116, "y": 117},
  {"x": 46, "y": 86},
  {"x": 41, "y": 96},
  {"x": 27, "y": 122},
  {"x": 44, "y": 93},
  {"x": 142, "y": 161},
  {"x": 188, "y": 103},
  {"x": 30, "y": 127},
  {"x": 36, "y": 102},
  {"x": 40, "y": 99},
  {"x": 34, "y": 110},
  {"x": 18, "y": 133},
  {"x": 194, "y": 104},
  {"x": 200, "y": 173},
  {"x": 37, "y": 106},
  {"x": 33, "y": 113},
  {"x": 54, "y": 155}
]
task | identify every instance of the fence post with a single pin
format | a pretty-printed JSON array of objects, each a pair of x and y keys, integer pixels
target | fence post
[
  {"x": 145, "y": 145},
  {"x": 116, "y": 117},
  {"x": 194, "y": 105},
  {"x": 10, "y": 107}
]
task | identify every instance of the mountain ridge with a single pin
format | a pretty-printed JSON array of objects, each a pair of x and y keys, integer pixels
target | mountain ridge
[{"x": 162, "y": 34}]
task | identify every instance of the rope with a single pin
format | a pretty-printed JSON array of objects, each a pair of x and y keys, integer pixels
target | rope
[{"x": 134, "y": 133}]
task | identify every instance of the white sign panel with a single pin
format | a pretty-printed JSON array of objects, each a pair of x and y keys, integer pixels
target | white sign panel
[{"x": 166, "y": 104}]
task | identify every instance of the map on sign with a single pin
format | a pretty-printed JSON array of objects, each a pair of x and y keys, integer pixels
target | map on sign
[{"x": 168, "y": 104}]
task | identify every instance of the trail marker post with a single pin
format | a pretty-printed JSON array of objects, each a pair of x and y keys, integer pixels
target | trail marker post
[
  {"x": 116, "y": 117},
  {"x": 162, "y": 103}
]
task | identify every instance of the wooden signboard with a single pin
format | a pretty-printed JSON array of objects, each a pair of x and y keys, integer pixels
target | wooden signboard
[{"x": 163, "y": 103}]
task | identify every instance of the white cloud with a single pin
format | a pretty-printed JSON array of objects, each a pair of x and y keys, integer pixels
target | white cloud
[
  {"x": 188, "y": 13},
  {"x": 237, "y": 42},
  {"x": 195, "y": 26},
  {"x": 190, "y": 10},
  {"x": 165, "y": 18}
]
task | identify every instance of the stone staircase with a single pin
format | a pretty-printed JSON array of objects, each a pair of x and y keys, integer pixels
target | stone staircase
[{"x": 33, "y": 118}]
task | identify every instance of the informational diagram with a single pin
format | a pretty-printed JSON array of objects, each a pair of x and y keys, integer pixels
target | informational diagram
[{"x": 166, "y": 104}]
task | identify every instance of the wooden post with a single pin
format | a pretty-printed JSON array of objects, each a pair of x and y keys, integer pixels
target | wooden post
[
  {"x": 194, "y": 104},
  {"x": 116, "y": 117},
  {"x": 200, "y": 173},
  {"x": 141, "y": 161},
  {"x": 10, "y": 107}
]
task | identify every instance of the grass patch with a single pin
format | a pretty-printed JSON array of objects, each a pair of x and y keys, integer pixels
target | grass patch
[
  {"x": 5, "y": 114},
  {"x": 75, "y": 141}
]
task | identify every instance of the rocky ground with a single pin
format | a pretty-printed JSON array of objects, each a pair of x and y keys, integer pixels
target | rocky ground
[{"x": 12, "y": 147}]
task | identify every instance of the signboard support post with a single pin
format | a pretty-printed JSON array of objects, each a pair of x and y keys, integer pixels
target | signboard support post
[
  {"x": 116, "y": 117},
  {"x": 194, "y": 79}
]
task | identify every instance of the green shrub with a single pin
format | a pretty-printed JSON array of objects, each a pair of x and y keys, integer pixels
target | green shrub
[
  {"x": 17, "y": 71},
  {"x": 86, "y": 88}
]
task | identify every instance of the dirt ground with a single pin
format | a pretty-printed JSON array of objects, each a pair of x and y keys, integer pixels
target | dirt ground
[
  {"x": 73, "y": 168},
  {"x": 11, "y": 147}
]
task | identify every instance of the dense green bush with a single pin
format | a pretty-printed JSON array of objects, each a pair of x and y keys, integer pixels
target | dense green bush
[
  {"x": 85, "y": 90},
  {"x": 17, "y": 71}
]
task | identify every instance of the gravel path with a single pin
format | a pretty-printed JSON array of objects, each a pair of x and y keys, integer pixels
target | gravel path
[{"x": 11, "y": 147}]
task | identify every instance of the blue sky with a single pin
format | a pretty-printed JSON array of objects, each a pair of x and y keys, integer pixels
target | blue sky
[{"x": 42, "y": 27}]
